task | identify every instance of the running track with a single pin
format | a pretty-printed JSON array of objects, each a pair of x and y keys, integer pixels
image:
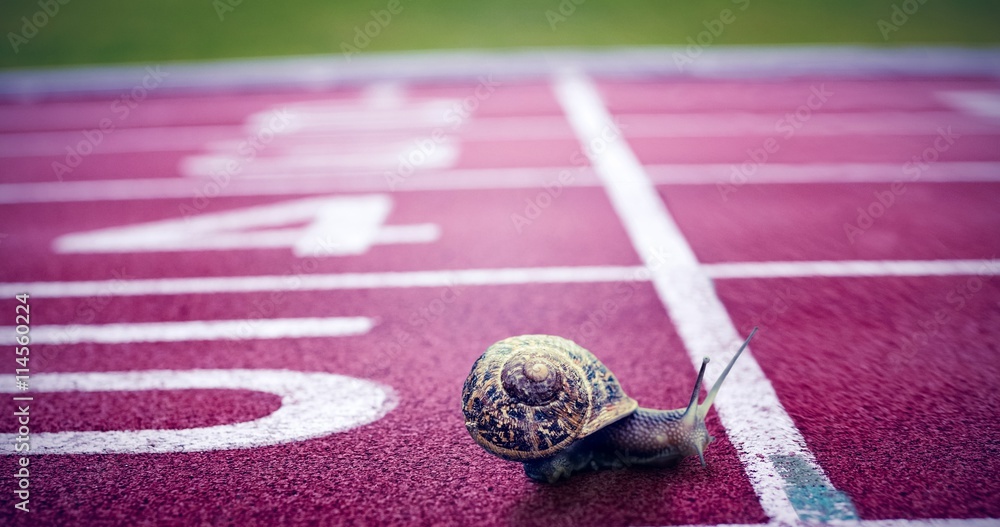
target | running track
[{"x": 254, "y": 300}]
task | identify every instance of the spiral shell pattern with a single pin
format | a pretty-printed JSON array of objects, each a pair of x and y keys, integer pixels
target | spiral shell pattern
[{"x": 530, "y": 397}]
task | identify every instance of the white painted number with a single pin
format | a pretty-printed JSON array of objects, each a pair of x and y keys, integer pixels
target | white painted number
[
  {"x": 312, "y": 405},
  {"x": 333, "y": 226}
]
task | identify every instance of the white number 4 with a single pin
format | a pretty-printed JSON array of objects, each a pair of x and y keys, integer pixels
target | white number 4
[{"x": 326, "y": 226}]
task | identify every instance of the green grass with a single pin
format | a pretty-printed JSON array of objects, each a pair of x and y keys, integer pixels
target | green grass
[{"x": 148, "y": 31}]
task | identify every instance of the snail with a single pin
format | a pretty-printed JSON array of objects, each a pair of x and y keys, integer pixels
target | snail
[{"x": 552, "y": 405}]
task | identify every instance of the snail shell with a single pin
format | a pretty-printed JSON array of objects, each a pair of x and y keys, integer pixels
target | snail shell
[{"x": 532, "y": 396}]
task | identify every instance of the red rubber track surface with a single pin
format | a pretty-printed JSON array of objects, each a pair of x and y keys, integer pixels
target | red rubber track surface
[{"x": 891, "y": 380}]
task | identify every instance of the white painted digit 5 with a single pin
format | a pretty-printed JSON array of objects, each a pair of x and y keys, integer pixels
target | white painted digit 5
[{"x": 313, "y": 404}]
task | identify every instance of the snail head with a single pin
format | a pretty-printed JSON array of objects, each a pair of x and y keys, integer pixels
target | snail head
[{"x": 692, "y": 424}]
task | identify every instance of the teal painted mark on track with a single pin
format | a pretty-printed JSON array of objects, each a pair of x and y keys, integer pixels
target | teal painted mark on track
[{"x": 812, "y": 496}]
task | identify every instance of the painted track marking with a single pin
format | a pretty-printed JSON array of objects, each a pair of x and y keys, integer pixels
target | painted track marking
[
  {"x": 853, "y": 268},
  {"x": 980, "y": 102},
  {"x": 933, "y": 522},
  {"x": 754, "y": 419},
  {"x": 16, "y": 143},
  {"x": 819, "y": 173},
  {"x": 274, "y": 328},
  {"x": 487, "y": 277},
  {"x": 712, "y": 66},
  {"x": 337, "y": 226},
  {"x": 313, "y": 404},
  {"x": 324, "y": 282},
  {"x": 485, "y": 178}
]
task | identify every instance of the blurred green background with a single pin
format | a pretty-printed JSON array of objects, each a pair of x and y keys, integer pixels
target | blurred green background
[{"x": 110, "y": 31}]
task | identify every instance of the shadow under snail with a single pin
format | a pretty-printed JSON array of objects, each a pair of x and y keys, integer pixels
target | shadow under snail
[{"x": 548, "y": 403}]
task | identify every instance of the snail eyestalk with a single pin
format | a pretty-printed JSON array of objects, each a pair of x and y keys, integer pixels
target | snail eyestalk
[
  {"x": 707, "y": 404},
  {"x": 690, "y": 414}
]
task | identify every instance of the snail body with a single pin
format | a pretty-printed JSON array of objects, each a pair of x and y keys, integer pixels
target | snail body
[{"x": 552, "y": 405}]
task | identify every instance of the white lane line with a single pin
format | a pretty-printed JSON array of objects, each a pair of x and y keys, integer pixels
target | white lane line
[
  {"x": 748, "y": 406},
  {"x": 65, "y": 123},
  {"x": 932, "y": 522},
  {"x": 813, "y": 173},
  {"x": 275, "y": 328},
  {"x": 291, "y": 164},
  {"x": 324, "y": 282},
  {"x": 415, "y": 233},
  {"x": 485, "y": 179},
  {"x": 347, "y": 137},
  {"x": 280, "y": 184},
  {"x": 385, "y": 94},
  {"x": 487, "y": 277},
  {"x": 313, "y": 404},
  {"x": 734, "y": 123},
  {"x": 137, "y": 139},
  {"x": 855, "y": 268},
  {"x": 976, "y": 102},
  {"x": 922, "y": 522}
]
